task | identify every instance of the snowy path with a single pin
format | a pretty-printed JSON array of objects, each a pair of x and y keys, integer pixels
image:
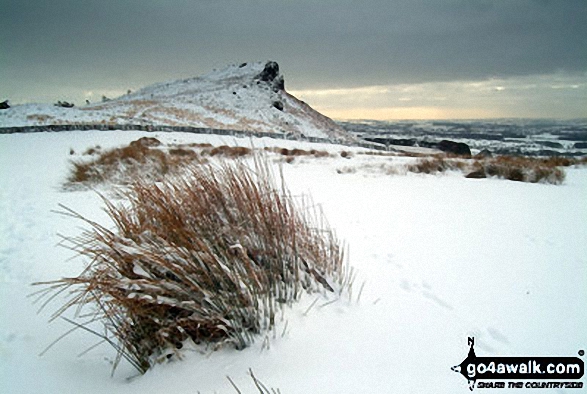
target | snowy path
[{"x": 442, "y": 258}]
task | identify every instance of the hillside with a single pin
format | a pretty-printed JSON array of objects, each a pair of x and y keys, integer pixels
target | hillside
[{"x": 249, "y": 97}]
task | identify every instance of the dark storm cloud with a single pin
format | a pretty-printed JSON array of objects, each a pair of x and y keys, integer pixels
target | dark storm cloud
[{"x": 329, "y": 43}]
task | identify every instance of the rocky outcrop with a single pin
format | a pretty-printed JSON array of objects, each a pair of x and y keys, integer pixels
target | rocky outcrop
[
  {"x": 270, "y": 74},
  {"x": 456, "y": 148},
  {"x": 64, "y": 104},
  {"x": 245, "y": 98},
  {"x": 4, "y": 104}
]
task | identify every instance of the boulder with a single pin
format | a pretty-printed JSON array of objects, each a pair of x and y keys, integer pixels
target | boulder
[
  {"x": 457, "y": 148},
  {"x": 64, "y": 104},
  {"x": 427, "y": 144},
  {"x": 278, "y": 83},
  {"x": 4, "y": 104},
  {"x": 478, "y": 174},
  {"x": 270, "y": 72}
]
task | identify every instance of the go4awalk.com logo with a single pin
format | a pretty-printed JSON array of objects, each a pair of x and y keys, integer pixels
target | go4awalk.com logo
[{"x": 521, "y": 372}]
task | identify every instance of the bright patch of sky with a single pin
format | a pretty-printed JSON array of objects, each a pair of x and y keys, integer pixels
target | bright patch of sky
[{"x": 561, "y": 96}]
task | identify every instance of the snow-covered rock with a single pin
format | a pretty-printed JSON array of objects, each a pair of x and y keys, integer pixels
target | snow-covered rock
[{"x": 249, "y": 97}]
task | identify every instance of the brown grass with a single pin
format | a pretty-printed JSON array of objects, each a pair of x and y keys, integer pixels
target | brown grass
[
  {"x": 435, "y": 165},
  {"x": 40, "y": 118},
  {"x": 513, "y": 168},
  {"x": 523, "y": 169},
  {"x": 229, "y": 151},
  {"x": 210, "y": 256},
  {"x": 299, "y": 152},
  {"x": 141, "y": 158}
]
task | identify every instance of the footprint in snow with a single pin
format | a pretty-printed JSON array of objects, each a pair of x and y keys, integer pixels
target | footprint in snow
[
  {"x": 426, "y": 292},
  {"x": 405, "y": 285},
  {"x": 437, "y": 300},
  {"x": 497, "y": 336}
]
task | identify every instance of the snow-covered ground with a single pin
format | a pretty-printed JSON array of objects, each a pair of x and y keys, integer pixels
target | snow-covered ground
[{"x": 442, "y": 258}]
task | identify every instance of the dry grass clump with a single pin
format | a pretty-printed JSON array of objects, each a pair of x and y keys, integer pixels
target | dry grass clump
[
  {"x": 93, "y": 150},
  {"x": 182, "y": 152},
  {"x": 210, "y": 256},
  {"x": 40, "y": 118},
  {"x": 514, "y": 168},
  {"x": 228, "y": 151},
  {"x": 522, "y": 169},
  {"x": 141, "y": 158},
  {"x": 290, "y": 155},
  {"x": 436, "y": 165},
  {"x": 298, "y": 152}
]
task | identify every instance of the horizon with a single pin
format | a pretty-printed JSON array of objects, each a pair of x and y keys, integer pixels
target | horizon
[{"x": 377, "y": 60}]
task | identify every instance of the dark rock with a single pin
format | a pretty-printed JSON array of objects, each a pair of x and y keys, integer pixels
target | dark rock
[
  {"x": 402, "y": 142},
  {"x": 242, "y": 65},
  {"x": 270, "y": 72},
  {"x": 457, "y": 148},
  {"x": 64, "y": 104},
  {"x": 279, "y": 83},
  {"x": 278, "y": 105},
  {"x": 4, "y": 104},
  {"x": 427, "y": 144},
  {"x": 479, "y": 174},
  {"x": 483, "y": 154}
]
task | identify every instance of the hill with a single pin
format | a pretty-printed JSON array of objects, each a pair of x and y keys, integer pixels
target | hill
[{"x": 249, "y": 97}]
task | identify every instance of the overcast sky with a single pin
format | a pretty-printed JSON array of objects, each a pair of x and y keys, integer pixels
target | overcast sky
[{"x": 379, "y": 59}]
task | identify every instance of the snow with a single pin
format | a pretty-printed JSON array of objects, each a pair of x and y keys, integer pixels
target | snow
[
  {"x": 230, "y": 98},
  {"x": 441, "y": 258}
]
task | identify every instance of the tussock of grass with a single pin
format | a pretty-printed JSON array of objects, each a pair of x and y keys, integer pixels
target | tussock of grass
[
  {"x": 298, "y": 152},
  {"x": 141, "y": 158},
  {"x": 514, "y": 168},
  {"x": 210, "y": 256},
  {"x": 435, "y": 165},
  {"x": 229, "y": 151},
  {"x": 522, "y": 169}
]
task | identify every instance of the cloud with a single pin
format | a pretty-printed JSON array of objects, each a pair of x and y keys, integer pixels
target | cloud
[
  {"x": 75, "y": 46},
  {"x": 537, "y": 96}
]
